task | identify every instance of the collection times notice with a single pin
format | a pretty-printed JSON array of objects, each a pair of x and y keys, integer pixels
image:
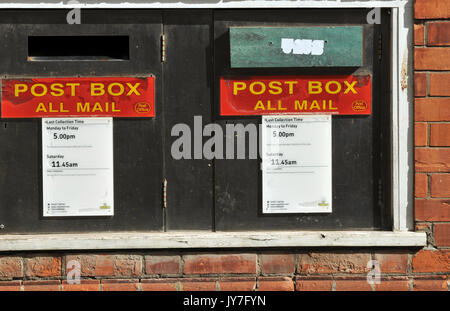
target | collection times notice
[
  {"x": 77, "y": 166},
  {"x": 296, "y": 164}
]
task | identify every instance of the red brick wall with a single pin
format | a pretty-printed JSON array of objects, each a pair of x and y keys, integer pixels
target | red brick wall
[
  {"x": 289, "y": 270},
  {"x": 342, "y": 269},
  {"x": 432, "y": 119}
]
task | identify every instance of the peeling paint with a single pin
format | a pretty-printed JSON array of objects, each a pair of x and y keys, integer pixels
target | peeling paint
[
  {"x": 302, "y": 46},
  {"x": 404, "y": 72}
]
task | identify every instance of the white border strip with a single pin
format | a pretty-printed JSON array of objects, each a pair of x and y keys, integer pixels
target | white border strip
[
  {"x": 218, "y": 4},
  {"x": 402, "y": 119},
  {"x": 406, "y": 118},
  {"x": 183, "y": 240},
  {"x": 394, "y": 123}
]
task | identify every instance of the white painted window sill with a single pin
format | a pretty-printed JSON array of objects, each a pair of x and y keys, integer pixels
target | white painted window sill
[{"x": 189, "y": 239}]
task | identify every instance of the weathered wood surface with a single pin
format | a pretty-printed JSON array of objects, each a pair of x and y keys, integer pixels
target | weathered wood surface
[
  {"x": 332, "y": 46},
  {"x": 179, "y": 240}
]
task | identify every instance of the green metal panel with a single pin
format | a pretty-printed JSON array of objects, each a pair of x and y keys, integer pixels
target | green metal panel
[{"x": 332, "y": 46}]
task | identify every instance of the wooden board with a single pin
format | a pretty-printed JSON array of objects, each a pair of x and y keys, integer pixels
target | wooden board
[
  {"x": 202, "y": 194},
  {"x": 357, "y": 164},
  {"x": 211, "y": 240},
  {"x": 187, "y": 93},
  {"x": 137, "y": 143},
  {"x": 332, "y": 46}
]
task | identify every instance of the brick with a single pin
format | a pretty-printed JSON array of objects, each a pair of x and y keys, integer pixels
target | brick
[
  {"x": 420, "y": 134},
  {"x": 237, "y": 284},
  {"x": 432, "y": 160},
  {"x": 440, "y": 185},
  {"x": 440, "y": 134},
  {"x": 120, "y": 285},
  {"x": 219, "y": 264},
  {"x": 43, "y": 266},
  {"x": 352, "y": 284},
  {"x": 431, "y": 261},
  {"x": 166, "y": 265},
  {"x": 199, "y": 284},
  {"x": 109, "y": 265},
  {"x": 392, "y": 263},
  {"x": 438, "y": 33},
  {"x": 333, "y": 262},
  {"x": 420, "y": 84},
  {"x": 439, "y": 84},
  {"x": 94, "y": 265},
  {"x": 442, "y": 234},
  {"x": 429, "y": 9},
  {"x": 313, "y": 284},
  {"x": 431, "y": 283},
  {"x": 49, "y": 285},
  {"x": 432, "y": 109},
  {"x": 277, "y": 263},
  {"x": 11, "y": 267},
  {"x": 421, "y": 185},
  {"x": 393, "y": 284},
  {"x": 10, "y": 286},
  {"x": 159, "y": 285},
  {"x": 85, "y": 285},
  {"x": 275, "y": 284},
  {"x": 432, "y": 210},
  {"x": 424, "y": 227},
  {"x": 431, "y": 58},
  {"x": 127, "y": 265},
  {"x": 419, "y": 34}
]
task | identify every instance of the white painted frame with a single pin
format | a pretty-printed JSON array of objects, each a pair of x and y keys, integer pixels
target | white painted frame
[{"x": 401, "y": 149}]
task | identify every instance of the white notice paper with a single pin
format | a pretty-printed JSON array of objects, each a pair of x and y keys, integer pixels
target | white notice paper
[
  {"x": 77, "y": 166},
  {"x": 296, "y": 164}
]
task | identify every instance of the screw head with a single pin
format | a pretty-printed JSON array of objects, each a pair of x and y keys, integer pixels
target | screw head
[{"x": 2, "y": 226}]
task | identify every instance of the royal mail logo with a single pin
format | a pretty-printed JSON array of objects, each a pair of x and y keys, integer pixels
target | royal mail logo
[
  {"x": 359, "y": 105},
  {"x": 142, "y": 107}
]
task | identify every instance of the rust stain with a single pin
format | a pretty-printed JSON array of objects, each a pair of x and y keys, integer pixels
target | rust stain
[
  {"x": 404, "y": 75},
  {"x": 362, "y": 80}
]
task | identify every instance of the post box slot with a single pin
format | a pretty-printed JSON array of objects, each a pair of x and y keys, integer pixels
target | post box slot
[{"x": 84, "y": 48}]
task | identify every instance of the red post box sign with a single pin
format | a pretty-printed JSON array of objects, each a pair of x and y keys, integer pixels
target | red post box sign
[
  {"x": 78, "y": 97},
  {"x": 346, "y": 95}
]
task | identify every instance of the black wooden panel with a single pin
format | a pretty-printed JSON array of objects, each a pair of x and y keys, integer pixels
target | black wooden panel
[
  {"x": 142, "y": 147},
  {"x": 137, "y": 142},
  {"x": 357, "y": 167},
  {"x": 144, "y": 50},
  {"x": 382, "y": 129},
  {"x": 187, "y": 93},
  {"x": 89, "y": 16}
]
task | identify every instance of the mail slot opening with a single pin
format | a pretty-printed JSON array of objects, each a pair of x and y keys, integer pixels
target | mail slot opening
[{"x": 84, "y": 48}]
